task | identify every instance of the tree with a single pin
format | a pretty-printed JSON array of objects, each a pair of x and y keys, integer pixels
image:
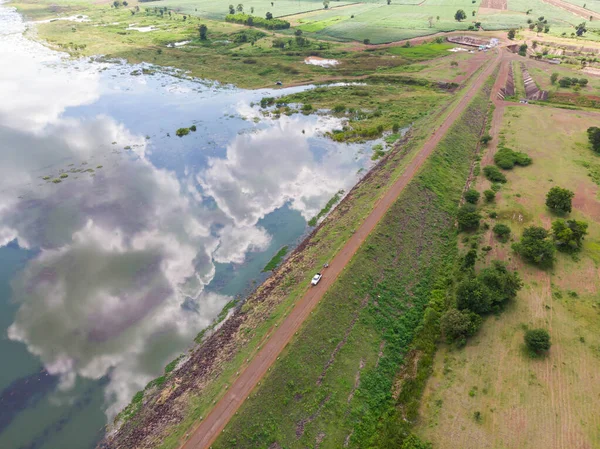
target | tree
[
  {"x": 473, "y": 295},
  {"x": 389, "y": 2},
  {"x": 568, "y": 235},
  {"x": 269, "y": 16},
  {"x": 502, "y": 285},
  {"x": 467, "y": 217},
  {"x": 535, "y": 247},
  {"x": 523, "y": 49},
  {"x": 580, "y": 29},
  {"x": 367, "y": 41},
  {"x": 489, "y": 195},
  {"x": 494, "y": 174},
  {"x": 326, "y": 4},
  {"x": 231, "y": 9},
  {"x": 559, "y": 199},
  {"x": 203, "y": 29},
  {"x": 553, "y": 77},
  {"x": 502, "y": 232},
  {"x": 473, "y": 13},
  {"x": 125, "y": 3},
  {"x": 239, "y": 8},
  {"x": 460, "y": 15},
  {"x": 511, "y": 33},
  {"x": 470, "y": 259},
  {"x": 430, "y": 21},
  {"x": 538, "y": 340},
  {"x": 593, "y": 133},
  {"x": 456, "y": 324}
]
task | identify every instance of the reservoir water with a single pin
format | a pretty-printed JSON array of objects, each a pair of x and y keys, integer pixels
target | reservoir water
[{"x": 120, "y": 241}]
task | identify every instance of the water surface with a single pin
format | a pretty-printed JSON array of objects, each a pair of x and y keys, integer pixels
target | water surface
[{"x": 109, "y": 274}]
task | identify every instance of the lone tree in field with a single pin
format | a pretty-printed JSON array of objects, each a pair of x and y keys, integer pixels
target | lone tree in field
[
  {"x": 580, "y": 29},
  {"x": 538, "y": 340},
  {"x": 231, "y": 9},
  {"x": 460, "y": 15},
  {"x": 511, "y": 34},
  {"x": 502, "y": 232},
  {"x": 594, "y": 138},
  {"x": 269, "y": 16},
  {"x": 559, "y": 200},
  {"x": 326, "y": 4},
  {"x": 553, "y": 78},
  {"x": 430, "y": 20},
  {"x": 203, "y": 29},
  {"x": 535, "y": 247},
  {"x": 239, "y": 7}
]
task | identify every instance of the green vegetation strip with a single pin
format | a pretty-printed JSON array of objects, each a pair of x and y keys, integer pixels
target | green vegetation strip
[
  {"x": 332, "y": 202},
  {"x": 334, "y": 382},
  {"x": 276, "y": 260}
]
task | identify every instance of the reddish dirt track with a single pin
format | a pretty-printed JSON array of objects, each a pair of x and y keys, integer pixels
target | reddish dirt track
[{"x": 210, "y": 428}]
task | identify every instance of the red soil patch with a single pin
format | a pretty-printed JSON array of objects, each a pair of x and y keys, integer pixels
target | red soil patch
[
  {"x": 495, "y": 4},
  {"x": 586, "y": 200}
]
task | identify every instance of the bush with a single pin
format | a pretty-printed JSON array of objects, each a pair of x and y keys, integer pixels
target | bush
[
  {"x": 339, "y": 108},
  {"x": 456, "y": 324},
  {"x": 535, "y": 247},
  {"x": 538, "y": 340},
  {"x": 193, "y": 128},
  {"x": 182, "y": 132},
  {"x": 489, "y": 195},
  {"x": 472, "y": 196},
  {"x": 467, "y": 217},
  {"x": 502, "y": 285},
  {"x": 502, "y": 232},
  {"x": 559, "y": 199},
  {"x": 492, "y": 173},
  {"x": 594, "y": 138},
  {"x": 506, "y": 158},
  {"x": 568, "y": 236},
  {"x": 485, "y": 139}
]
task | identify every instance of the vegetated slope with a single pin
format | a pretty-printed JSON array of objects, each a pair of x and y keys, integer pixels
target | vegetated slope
[
  {"x": 333, "y": 385},
  {"x": 549, "y": 402},
  {"x": 164, "y": 413}
]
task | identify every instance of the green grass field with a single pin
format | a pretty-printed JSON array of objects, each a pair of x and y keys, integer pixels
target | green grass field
[
  {"x": 333, "y": 384},
  {"x": 553, "y": 401}
]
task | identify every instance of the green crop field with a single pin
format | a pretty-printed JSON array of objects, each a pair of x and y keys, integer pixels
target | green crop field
[
  {"x": 333, "y": 384},
  {"x": 218, "y": 9}
]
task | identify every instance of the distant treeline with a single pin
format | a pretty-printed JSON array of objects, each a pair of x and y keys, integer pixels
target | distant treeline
[
  {"x": 246, "y": 19},
  {"x": 145, "y": 1}
]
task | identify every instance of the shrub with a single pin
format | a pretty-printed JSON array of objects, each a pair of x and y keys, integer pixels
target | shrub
[
  {"x": 193, "y": 128},
  {"x": 339, "y": 108},
  {"x": 182, "y": 132},
  {"x": 472, "y": 196},
  {"x": 492, "y": 173},
  {"x": 485, "y": 139},
  {"x": 535, "y": 247},
  {"x": 502, "y": 232},
  {"x": 594, "y": 138},
  {"x": 538, "y": 340},
  {"x": 467, "y": 217},
  {"x": 568, "y": 236},
  {"x": 506, "y": 158},
  {"x": 489, "y": 195},
  {"x": 559, "y": 199}
]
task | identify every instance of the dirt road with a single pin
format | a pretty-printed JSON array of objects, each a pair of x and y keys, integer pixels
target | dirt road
[{"x": 210, "y": 428}]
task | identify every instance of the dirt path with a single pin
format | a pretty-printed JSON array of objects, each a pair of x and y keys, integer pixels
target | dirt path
[
  {"x": 209, "y": 429},
  {"x": 578, "y": 10}
]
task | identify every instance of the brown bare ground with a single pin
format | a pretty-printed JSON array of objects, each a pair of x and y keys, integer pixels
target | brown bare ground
[{"x": 495, "y": 4}]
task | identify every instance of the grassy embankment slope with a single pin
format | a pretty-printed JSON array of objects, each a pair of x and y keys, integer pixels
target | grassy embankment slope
[
  {"x": 550, "y": 402},
  {"x": 333, "y": 385}
]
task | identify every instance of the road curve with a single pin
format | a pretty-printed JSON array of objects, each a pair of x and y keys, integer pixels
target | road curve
[{"x": 209, "y": 429}]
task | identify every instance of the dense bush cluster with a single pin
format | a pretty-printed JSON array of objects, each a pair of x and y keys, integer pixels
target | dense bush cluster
[
  {"x": 593, "y": 133},
  {"x": 506, "y": 158},
  {"x": 536, "y": 247},
  {"x": 246, "y": 19},
  {"x": 477, "y": 295},
  {"x": 571, "y": 82},
  {"x": 494, "y": 174}
]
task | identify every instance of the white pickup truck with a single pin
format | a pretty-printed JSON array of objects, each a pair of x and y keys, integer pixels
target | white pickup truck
[{"x": 316, "y": 278}]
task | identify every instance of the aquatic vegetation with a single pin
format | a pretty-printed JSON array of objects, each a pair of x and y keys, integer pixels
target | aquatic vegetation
[{"x": 182, "y": 132}]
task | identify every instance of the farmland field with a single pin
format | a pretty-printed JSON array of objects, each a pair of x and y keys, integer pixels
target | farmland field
[{"x": 525, "y": 402}]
